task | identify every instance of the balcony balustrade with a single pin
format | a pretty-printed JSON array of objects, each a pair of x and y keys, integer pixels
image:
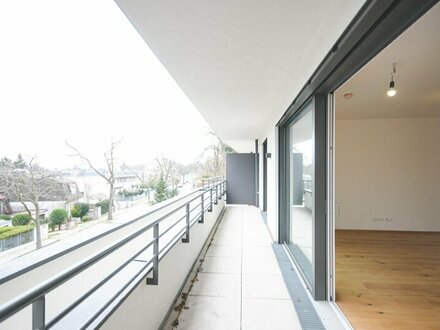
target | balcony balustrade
[{"x": 81, "y": 286}]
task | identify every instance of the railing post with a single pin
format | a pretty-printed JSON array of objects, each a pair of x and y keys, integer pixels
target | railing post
[
  {"x": 210, "y": 200},
  {"x": 202, "y": 206},
  {"x": 216, "y": 195},
  {"x": 155, "y": 279},
  {"x": 39, "y": 314},
  {"x": 186, "y": 238},
  {"x": 220, "y": 188}
]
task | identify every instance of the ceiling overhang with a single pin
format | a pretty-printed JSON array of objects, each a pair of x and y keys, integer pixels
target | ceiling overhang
[{"x": 241, "y": 63}]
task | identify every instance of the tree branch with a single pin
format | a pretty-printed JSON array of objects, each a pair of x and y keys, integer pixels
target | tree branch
[{"x": 87, "y": 160}]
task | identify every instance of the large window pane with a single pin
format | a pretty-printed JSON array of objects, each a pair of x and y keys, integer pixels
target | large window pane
[{"x": 301, "y": 192}]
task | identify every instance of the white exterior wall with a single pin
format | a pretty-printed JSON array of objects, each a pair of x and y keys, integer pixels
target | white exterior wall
[
  {"x": 49, "y": 206},
  {"x": 271, "y": 134},
  {"x": 388, "y": 169},
  {"x": 98, "y": 187}
]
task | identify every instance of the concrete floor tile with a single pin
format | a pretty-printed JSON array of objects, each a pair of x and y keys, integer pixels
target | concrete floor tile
[
  {"x": 224, "y": 251},
  {"x": 264, "y": 286},
  {"x": 213, "y": 313},
  {"x": 263, "y": 314},
  {"x": 230, "y": 240},
  {"x": 256, "y": 241},
  {"x": 225, "y": 265},
  {"x": 240, "y": 285},
  {"x": 261, "y": 266},
  {"x": 217, "y": 285},
  {"x": 258, "y": 252}
]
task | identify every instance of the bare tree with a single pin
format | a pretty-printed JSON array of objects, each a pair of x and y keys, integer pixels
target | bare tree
[
  {"x": 87, "y": 192},
  {"x": 169, "y": 169},
  {"x": 108, "y": 175},
  {"x": 29, "y": 183},
  {"x": 215, "y": 164},
  {"x": 146, "y": 179}
]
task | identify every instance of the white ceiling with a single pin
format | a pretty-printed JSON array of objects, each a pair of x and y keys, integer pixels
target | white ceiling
[
  {"x": 241, "y": 62},
  {"x": 417, "y": 53}
]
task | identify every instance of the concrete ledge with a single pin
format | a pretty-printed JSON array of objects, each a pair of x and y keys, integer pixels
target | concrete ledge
[{"x": 148, "y": 305}]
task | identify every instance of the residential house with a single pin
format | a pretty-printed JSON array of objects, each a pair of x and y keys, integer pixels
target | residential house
[{"x": 63, "y": 196}]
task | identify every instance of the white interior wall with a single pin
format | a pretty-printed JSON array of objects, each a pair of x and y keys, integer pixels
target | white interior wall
[{"x": 388, "y": 174}]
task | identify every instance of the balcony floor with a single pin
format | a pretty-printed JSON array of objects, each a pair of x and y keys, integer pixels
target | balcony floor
[{"x": 238, "y": 284}]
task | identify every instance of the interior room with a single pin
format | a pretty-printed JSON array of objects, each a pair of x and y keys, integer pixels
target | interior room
[{"x": 387, "y": 184}]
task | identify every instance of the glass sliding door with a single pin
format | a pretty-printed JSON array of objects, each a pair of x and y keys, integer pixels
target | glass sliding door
[
  {"x": 303, "y": 192},
  {"x": 301, "y": 166}
]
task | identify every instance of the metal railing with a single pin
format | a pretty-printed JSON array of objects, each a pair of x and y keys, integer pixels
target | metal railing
[
  {"x": 207, "y": 183},
  {"x": 205, "y": 199},
  {"x": 307, "y": 185}
]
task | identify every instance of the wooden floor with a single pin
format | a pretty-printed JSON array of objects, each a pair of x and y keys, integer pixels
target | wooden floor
[{"x": 388, "y": 280}]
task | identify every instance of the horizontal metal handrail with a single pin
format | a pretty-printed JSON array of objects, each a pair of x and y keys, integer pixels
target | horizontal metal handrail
[
  {"x": 90, "y": 320},
  {"x": 211, "y": 181},
  {"x": 96, "y": 287},
  {"x": 62, "y": 253},
  {"x": 165, "y": 249},
  {"x": 39, "y": 291}
]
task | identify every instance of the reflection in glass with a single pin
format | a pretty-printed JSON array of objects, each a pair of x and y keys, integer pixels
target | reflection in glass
[{"x": 301, "y": 193}]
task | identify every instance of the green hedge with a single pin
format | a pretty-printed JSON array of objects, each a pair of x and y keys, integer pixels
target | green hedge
[
  {"x": 104, "y": 205},
  {"x": 79, "y": 210},
  {"x": 21, "y": 219},
  {"x": 129, "y": 193},
  {"x": 5, "y": 217},
  {"x": 7, "y": 232}
]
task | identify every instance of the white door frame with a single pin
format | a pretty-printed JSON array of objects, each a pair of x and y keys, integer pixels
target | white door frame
[{"x": 331, "y": 204}]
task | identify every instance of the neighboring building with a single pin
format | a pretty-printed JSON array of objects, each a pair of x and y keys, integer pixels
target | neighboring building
[
  {"x": 95, "y": 187},
  {"x": 64, "y": 195},
  {"x": 125, "y": 181}
]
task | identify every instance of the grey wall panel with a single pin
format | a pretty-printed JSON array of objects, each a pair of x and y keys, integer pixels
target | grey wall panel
[{"x": 240, "y": 176}]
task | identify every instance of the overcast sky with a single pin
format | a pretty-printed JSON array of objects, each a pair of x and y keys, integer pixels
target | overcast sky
[{"x": 77, "y": 70}]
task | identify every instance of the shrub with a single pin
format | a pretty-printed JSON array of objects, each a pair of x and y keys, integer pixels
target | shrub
[
  {"x": 5, "y": 217},
  {"x": 7, "y": 232},
  {"x": 85, "y": 218},
  {"x": 44, "y": 221},
  {"x": 172, "y": 193},
  {"x": 22, "y": 219},
  {"x": 129, "y": 193},
  {"x": 160, "y": 190},
  {"x": 79, "y": 210},
  {"x": 104, "y": 206},
  {"x": 57, "y": 217}
]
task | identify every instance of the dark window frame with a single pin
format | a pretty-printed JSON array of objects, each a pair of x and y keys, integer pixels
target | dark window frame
[{"x": 378, "y": 23}]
